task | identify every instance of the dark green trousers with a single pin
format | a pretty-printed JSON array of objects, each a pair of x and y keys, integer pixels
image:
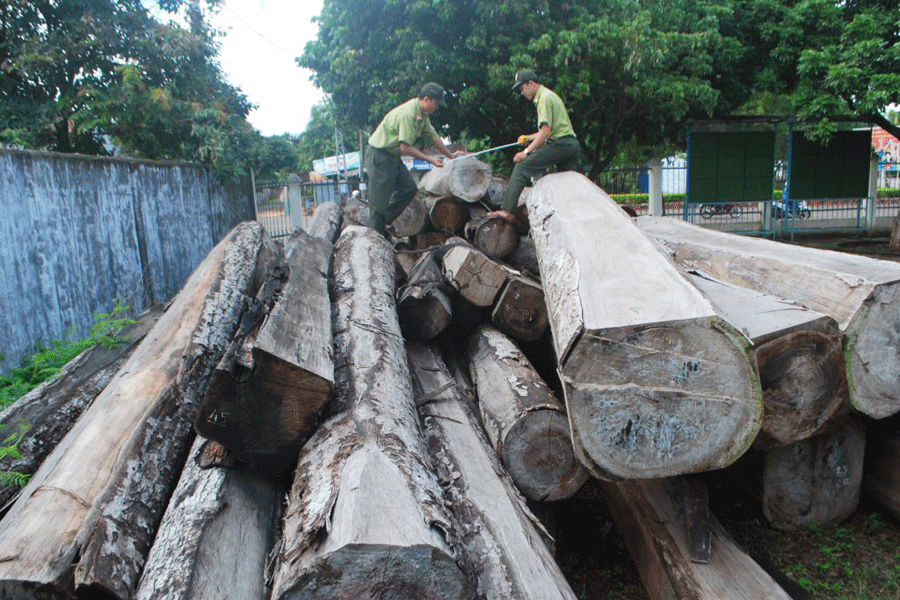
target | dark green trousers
[
  {"x": 391, "y": 187},
  {"x": 563, "y": 153}
]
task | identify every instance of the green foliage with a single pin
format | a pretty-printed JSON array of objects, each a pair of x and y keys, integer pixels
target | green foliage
[
  {"x": 49, "y": 358},
  {"x": 9, "y": 448},
  {"x": 318, "y": 141}
]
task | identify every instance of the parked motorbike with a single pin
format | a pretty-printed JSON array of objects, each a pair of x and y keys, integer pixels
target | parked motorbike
[
  {"x": 791, "y": 208},
  {"x": 707, "y": 211}
]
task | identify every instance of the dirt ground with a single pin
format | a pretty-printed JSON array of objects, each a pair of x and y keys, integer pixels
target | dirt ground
[{"x": 858, "y": 559}]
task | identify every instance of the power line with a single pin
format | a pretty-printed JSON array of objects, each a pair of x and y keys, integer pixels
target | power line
[{"x": 253, "y": 30}]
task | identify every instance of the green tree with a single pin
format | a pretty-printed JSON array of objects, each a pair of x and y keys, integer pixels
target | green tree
[
  {"x": 318, "y": 140},
  {"x": 93, "y": 75}
]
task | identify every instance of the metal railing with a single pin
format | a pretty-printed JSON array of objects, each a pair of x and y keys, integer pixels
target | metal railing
[{"x": 282, "y": 207}]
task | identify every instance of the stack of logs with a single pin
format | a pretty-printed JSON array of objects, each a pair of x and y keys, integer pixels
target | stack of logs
[{"x": 375, "y": 420}]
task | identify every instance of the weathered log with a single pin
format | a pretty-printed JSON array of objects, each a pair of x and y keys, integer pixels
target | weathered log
[
  {"x": 413, "y": 219},
  {"x": 524, "y": 258},
  {"x": 656, "y": 383},
  {"x": 501, "y": 541},
  {"x": 429, "y": 239},
  {"x": 800, "y": 357},
  {"x": 816, "y": 481},
  {"x": 882, "y": 471},
  {"x": 525, "y": 422},
  {"x": 215, "y": 536},
  {"x": 91, "y": 509},
  {"x": 327, "y": 221},
  {"x": 494, "y": 236},
  {"x": 366, "y": 516},
  {"x": 356, "y": 212},
  {"x": 446, "y": 213},
  {"x": 476, "y": 277},
  {"x": 650, "y": 515},
  {"x": 265, "y": 396},
  {"x": 862, "y": 294},
  {"x": 495, "y": 192},
  {"x": 520, "y": 310},
  {"x": 465, "y": 178},
  {"x": 50, "y": 410},
  {"x": 424, "y": 305}
]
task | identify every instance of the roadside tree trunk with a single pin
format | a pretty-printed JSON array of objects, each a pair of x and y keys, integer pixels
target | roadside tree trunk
[
  {"x": 502, "y": 544},
  {"x": 366, "y": 517},
  {"x": 525, "y": 422},
  {"x": 656, "y": 383},
  {"x": 92, "y": 508},
  {"x": 862, "y": 294}
]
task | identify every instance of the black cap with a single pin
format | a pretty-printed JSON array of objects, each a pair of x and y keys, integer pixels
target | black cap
[
  {"x": 524, "y": 75},
  {"x": 435, "y": 91}
]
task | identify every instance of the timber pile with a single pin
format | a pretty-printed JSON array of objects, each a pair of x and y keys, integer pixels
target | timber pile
[{"x": 386, "y": 422}]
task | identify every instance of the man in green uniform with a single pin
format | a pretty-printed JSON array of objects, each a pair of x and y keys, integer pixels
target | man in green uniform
[
  {"x": 391, "y": 187},
  {"x": 554, "y": 143}
]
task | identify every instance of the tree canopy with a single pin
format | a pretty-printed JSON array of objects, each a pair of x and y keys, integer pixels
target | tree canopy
[
  {"x": 92, "y": 75},
  {"x": 630, "y": 71}
]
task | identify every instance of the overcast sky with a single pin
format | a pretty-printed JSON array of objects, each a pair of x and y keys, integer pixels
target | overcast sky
[{"x": 263, "y": 37}]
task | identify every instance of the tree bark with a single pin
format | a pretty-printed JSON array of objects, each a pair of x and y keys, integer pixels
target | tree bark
[
  {"x": 520, "y": 310},
  {"x": 494, "y": 236},
  {"x": 465, "y": 178},
  {"x": 525, "y": 422},
  {"x": 424, "y": 306},
  {"x": 366, "y": 518},
  {"x": 264, "y": 400},
  {"x": 429, "y": 239},
  {"x": 327, "y": 221},
  {"x": 214, "y": 537},
  {"x": 650, "y": 515},
  {"x": 50, "y": 410},
  {"x": 800, "y": 357},
  {"x": 476, "y": 277},
  {"x": 502, "y": 543},
  {"x": 91, "y": 508},
  {"x": 524, "y": 258},
  {"x": 446, "y": 213},
  {"x": 355, "y": 213},
  {"x": 816, "y": 481},
  {"x": 656, "y": 383},
  {"x": 862, "y": 294}
]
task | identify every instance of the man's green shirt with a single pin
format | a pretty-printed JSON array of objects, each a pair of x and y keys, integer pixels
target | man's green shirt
[
  {"x": 551, "y": 111},
  {"x": 405, "y": 123}
]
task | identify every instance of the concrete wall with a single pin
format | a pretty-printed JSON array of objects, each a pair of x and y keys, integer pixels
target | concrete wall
[{"x": 77, "y": 232}]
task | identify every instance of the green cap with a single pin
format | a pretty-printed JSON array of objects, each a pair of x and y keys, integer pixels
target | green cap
[
  {"x": 435, "y": 91},
  {"x": 524, "y": 75}
]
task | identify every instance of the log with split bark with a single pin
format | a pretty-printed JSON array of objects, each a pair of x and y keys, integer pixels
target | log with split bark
[
  {"x": 366, "y": 516},
  {"x": 862, "y": 294},
  {"x": 216, "y": 533},
  {"x": 800, "y": 357},
  {"x": 88, "y": 516},
  {"x": 496, "y": 237},
  {"x": 42, "y": 417},
  {"x": 446, "y": 213},
  {"x": 265, "y": 396},
  {"x": 656, "y": 382},
  {"x": 665, "y": 539},
  {"x": 502, "y": 543},
  {"x": 525, "y": 422}
]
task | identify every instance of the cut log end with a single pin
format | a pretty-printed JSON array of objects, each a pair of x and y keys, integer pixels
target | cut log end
[
  {"x": 538, "y": 455},
  {"x": 375, "y": 572},
  {"x": 872, "y": 351}
]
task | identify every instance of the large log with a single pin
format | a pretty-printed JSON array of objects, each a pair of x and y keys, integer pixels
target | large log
[
  {"x": 366, "y": 515},
  {"x": 466, "y": 178},
  {"x": 656, "y": 383},
  {"x": 502, "y": 543},
  {"x": 800, "y": 357},
  {"x": 424, "y": 305},
  {"x": 524, "y": 258},
  {"x": 215, "y": 536},
  {"x": 476, "y": 277},
  {"x": 50, "y": 410},
  {"x": 494, "y": 236},
  {"x": 816, "y": 481},
  {"x": 882, "y": 471},
  {"x": 862, "y": 294},
  {"x": 327, "y": 221},
  {"x": 412, "y": 220},
  {"x": 525, "y": 422},
  {"x": 651, "y": 517},
  {"x": 89, "y": 513},
  {"x": 264, "y": 399}
]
